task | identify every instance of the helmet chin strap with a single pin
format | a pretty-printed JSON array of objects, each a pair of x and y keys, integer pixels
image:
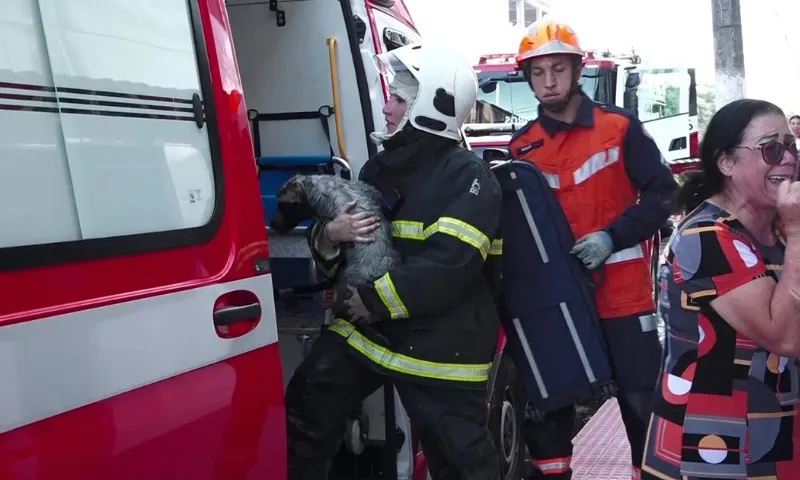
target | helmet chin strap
[{"x": 561, "y": 105}]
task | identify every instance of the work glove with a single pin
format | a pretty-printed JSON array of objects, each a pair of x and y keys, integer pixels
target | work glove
[{"x": 593, "y": 249}]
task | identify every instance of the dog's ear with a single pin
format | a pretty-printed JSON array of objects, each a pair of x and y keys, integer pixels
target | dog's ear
[{"x": 292, "y": 191}]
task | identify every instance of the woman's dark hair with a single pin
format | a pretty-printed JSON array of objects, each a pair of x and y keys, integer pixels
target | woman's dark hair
[
  {"x": 723, "y": 134},
  {"x": 794, "y": 117}
]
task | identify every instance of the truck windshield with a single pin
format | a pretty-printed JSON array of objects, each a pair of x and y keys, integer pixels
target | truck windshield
[{"x": 505, "y": 98}]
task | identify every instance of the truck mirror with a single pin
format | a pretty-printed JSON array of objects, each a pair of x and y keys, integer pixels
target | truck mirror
[
  {"x": 495, "y": 155},
  {"x": 489, "y": 86}
]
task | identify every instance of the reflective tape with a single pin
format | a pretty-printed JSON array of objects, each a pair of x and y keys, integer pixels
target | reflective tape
[
  {"x": 649, "y": 322},
  {"x": 553, "y": 466},
  {"x": 497, "y": 247},
  {"x": 551, "y": 48},
  {"x": 632, "y": 253},
  {"x": 414, "y": 230},
  {"x": 408, "y": 229},
  {"x": 596, "y": 162},
  {"x": 404, "y": 364},
  {"x": 552, "y": 180},
  {"x": 389, "y": 296},
  {"x": 462, "y": 231},
  {"x": 636, "y": 474},
  {"x": 446, "y": 225}
]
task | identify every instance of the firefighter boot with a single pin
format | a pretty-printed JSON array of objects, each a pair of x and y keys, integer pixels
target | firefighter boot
[{"x": 550, "y": 442}]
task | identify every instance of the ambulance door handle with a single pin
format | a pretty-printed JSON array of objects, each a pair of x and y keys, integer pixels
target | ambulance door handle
[{"x": 229, "y": 315}]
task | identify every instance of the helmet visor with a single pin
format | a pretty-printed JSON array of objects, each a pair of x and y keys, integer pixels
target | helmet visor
[{"x": 394, "y": 70}]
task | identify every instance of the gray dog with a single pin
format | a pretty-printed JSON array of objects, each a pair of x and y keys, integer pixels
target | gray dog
[{"x": 303, "y": 197}]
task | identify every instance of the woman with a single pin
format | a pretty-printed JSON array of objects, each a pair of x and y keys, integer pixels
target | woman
[
  {"x": 726, "y": 404},
  {"x": 794, "y": 124}
]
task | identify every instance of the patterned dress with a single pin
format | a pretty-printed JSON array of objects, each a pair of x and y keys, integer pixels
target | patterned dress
[{"x": 725, "y": 408}]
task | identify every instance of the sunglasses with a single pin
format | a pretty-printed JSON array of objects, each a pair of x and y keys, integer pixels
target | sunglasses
[{"x": 772, "y": 151}]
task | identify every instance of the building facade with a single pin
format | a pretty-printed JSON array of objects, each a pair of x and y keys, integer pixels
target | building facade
[{"x": 521, "y": 13}]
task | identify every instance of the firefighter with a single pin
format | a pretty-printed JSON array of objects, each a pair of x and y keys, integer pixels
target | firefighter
[
  {"x": 429, "y": 324},
  {"x": 615, "y": 189}
]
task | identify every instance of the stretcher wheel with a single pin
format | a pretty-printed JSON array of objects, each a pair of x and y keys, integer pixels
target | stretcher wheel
[{"x": 356, "y": 438}]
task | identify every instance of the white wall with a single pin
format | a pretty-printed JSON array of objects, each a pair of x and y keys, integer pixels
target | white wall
[{"x": 286, "y": 69}]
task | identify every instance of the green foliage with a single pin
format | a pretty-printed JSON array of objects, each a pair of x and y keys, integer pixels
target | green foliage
[
  {"x": 706, "y": 105},
  {"x": 672, "y": 101}
]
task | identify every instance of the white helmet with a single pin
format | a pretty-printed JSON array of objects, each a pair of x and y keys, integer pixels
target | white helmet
[{"x": 445, "y": 82}]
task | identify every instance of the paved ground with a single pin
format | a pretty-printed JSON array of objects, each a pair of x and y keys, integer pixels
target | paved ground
[{"x": 601, "y": 448}]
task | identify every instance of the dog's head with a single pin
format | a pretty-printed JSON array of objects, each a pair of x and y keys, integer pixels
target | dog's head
[{"x": 293, "y": 205}]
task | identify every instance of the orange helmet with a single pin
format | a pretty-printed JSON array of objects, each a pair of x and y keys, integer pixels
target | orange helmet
[{"x": 547, "y": 37}]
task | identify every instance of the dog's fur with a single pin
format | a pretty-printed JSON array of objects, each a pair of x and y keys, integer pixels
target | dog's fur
[{"x": 306, "y": 196}]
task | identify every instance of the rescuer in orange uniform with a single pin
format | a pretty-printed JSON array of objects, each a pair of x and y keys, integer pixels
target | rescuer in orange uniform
[{"x": 616, "y": 191}]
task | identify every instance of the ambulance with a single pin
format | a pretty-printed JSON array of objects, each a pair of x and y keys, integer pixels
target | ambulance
[{"x": 145, "y": 332}]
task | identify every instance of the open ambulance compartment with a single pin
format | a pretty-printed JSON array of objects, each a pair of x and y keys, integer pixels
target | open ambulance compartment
[
  {"x": 285, "y": 57},
  {"x": 310, "y": 112}
]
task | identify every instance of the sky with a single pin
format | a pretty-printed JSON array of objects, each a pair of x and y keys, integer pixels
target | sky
[{"x": 662, "y": 31}]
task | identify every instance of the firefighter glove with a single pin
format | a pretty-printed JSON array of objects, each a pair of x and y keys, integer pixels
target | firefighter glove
[{"x": 593, "y": 249}]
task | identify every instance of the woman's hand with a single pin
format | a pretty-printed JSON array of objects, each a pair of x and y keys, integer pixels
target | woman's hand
[
  {"x": 789, "y": 207},
  {"x": 346, "y": 227}
]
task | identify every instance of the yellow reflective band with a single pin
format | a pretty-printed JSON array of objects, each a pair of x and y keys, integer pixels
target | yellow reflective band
[
  {"x": 497, "y": 247},
  {"x": 389, "y": 297},
  {"x": 397, "y": 362},
  {"x": 462, "y": 231},
  {"x": 408, "y": 229},
  {"x": 447, "y": 225}
]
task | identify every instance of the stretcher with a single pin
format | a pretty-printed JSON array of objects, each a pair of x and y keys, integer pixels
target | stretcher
[{"x": 547, "y": 301}]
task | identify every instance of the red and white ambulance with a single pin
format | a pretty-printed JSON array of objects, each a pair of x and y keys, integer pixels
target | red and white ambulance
[{"x": 140, "y": 337}]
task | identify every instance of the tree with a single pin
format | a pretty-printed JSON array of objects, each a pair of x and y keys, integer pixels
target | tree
[
  {"x": 706, "y": 106},
  {"x": 672, "y": 105}
]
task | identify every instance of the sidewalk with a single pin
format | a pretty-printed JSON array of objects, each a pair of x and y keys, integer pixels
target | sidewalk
[{"x": 601, "y": 447}]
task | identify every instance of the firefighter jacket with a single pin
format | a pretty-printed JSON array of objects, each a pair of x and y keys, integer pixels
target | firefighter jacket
[
  {"x": 437, "y": 308},
  {"x": 607, "y": 174}
]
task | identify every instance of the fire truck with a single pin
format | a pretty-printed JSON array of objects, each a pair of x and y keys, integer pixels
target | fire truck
[{"x": 146, "y": 331}]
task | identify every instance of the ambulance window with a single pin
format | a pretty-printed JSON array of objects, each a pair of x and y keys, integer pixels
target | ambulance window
[{"x": 106, "y": 138}]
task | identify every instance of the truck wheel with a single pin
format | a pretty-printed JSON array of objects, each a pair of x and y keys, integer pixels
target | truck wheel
[{"x": 505, "y": 420}]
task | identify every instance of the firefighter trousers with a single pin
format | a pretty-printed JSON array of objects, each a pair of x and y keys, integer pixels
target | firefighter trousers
[
  {"x": 330, "y": 384},
  {"x": 635, "y": 352}
]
